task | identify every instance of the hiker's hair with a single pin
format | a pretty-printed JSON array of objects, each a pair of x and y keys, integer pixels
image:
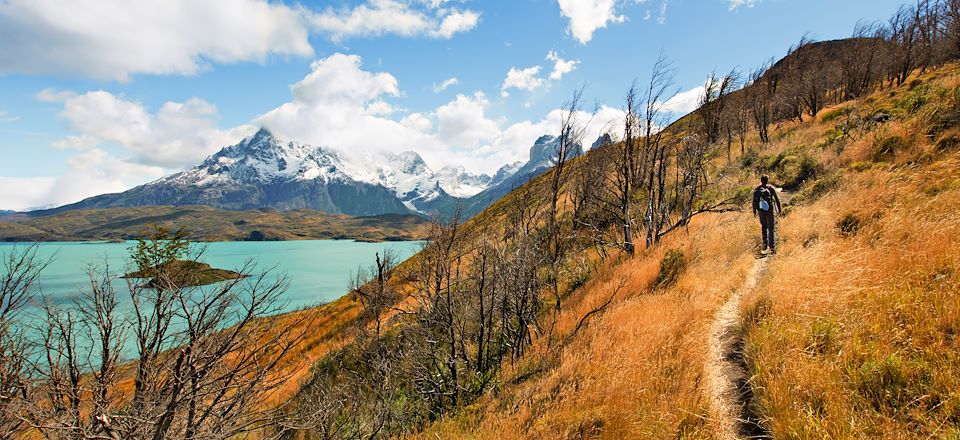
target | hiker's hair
[{"x": 764, "y": 179}]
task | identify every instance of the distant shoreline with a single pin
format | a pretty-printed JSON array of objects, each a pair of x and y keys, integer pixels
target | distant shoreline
[
  {"x": 4, "y": 240},
  {"x": 207, "y": 224}
]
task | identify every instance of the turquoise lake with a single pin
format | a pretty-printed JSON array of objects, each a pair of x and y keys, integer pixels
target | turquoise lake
[{"x": 318, "y": 270}]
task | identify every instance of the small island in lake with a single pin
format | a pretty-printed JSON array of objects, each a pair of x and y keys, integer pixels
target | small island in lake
[{"x": 185, "y": 273}]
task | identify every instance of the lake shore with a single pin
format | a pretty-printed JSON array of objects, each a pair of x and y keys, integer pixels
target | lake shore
[{"x": 206, "y": 224}]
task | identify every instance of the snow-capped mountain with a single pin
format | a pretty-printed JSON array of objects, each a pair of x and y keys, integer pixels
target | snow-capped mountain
[
  {"x": 262, "y": 171},
  {"x": 543, "y": 156},
  {"x": 459, "y": 182}
]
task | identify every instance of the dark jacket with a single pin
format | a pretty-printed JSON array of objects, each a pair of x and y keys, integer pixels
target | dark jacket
[{"x": 776, "y": 199}]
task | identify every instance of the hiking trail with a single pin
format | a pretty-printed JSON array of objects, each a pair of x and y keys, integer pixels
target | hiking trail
[{"x": 725, "y": 370}]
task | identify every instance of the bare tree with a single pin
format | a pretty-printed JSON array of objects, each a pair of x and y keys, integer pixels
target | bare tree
[
  {"x": 373, "y": 288},
  {"x": 205, "y": 357},
  {"x": 653, "y": 162},
  {"x": 19, "y": 272},
  {"x": 713, "y": 104},
  {"x": 761, "y": 94},
  {"x": 950, "y": 13},
  {"x": 567, "y": 146},
  {"x": 861, "y": 66},
  {"x": 626, "y": 170},
  {"x": 902, "y": 29}
]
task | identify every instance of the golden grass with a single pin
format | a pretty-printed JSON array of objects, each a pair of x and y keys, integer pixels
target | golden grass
[
  {"x": 853, "y": 332},
  {"x": 635, "y": 370}
]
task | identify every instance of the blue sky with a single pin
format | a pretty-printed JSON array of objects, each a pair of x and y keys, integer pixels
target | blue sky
[{"x": 101, "y": 95}]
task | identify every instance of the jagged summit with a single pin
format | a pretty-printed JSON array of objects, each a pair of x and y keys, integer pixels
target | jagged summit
[
  {"x": 264, "y": 171},
  {"x": 602, "y": 141}
]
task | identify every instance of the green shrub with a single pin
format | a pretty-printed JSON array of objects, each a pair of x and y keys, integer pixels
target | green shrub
[
  {"x": 791, "y": 168},
  {"x": 749, "y": 158},
  {"x": 948, "y": 143},
  {"x": 797, "y": 171},
  {"x": 849, "y": 224},
  {"x": 882, "y": 382},
  {"x": 914, "y": 99},
  {"x": 822, "y": 337},
  {"x": 673, "y": 264},
  {"x": 886, "y": 148},
  {"x": 834, "y": 114},
  {"x": 743, "y": 195},
  {"x": 892, "y": 383},
  {"x": 818, "y": 189}
]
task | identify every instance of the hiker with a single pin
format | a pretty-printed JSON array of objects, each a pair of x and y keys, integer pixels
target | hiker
[{"x": 766, "y": 203}]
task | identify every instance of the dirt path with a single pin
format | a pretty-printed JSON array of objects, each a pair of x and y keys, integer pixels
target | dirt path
[{"x": 725, "y": 371}]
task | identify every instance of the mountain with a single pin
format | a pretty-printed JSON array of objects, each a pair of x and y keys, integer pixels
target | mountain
[
  {"x": 262, "y": 171},
  {"x": 505, "y": 172},
  {"x": 542, "y": 157},
  {"x": 458, "y": 182}
]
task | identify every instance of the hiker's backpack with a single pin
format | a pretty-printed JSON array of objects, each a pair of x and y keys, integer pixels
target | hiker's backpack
[{"x": 766, "y": 197}]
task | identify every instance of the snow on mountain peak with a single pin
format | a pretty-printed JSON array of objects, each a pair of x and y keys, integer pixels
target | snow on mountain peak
[
  {"x": 264, "y": 159},
  {"x": 459, "y": 182}
]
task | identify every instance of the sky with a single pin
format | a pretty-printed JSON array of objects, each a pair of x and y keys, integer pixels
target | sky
[{"x": 98, "y": 96}]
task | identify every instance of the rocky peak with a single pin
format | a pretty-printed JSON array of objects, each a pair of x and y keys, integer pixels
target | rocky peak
[
  {"x": 544, "y": 150},
  {"x": 604, "y": 140}
]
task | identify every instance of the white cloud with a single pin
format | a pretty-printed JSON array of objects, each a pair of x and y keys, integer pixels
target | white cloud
[
  {"x": 119, "y": 144},
  {"x": 113, "y": 39},
  {"x": 20, "y": 193},
  {"x": 340, "y": 105},
  {"x": 91, "y": 172},
  {"x": 662, "y": 16},
  {"x": 417, "y": 121},
  {"x": 7, "y": 117},
  {"x": 586, "y": 16},
  {"x": 177, "y": 135},
  {"x": 684, "y": 102},
  {"x": 522, "y": 79},
  {"x": 339, "y": 79},
  {"x": 456, "y": 22},
  {"x": 393, "y": 17},
  {"x": 734, "y": 4},
  {"x": 446, "y": 84},
  {"x": 560, "y": 66},
  {"x": 463, "y": 123},
  {"x": 74, "y": 142},
  {"x": 459, "y": 132}
]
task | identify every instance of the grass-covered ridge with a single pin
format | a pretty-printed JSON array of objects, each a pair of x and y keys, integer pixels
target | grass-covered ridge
[{"x": 204, "y": 223}]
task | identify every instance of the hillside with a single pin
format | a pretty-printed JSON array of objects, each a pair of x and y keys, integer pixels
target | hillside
[
  {"x": 842, "y": 337},
  {"x": 848, "y": 333},
  {"x": 204, "y": 223}
]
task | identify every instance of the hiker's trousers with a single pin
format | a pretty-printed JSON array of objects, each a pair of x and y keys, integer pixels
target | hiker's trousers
[{"x": 768, "y": 229}]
